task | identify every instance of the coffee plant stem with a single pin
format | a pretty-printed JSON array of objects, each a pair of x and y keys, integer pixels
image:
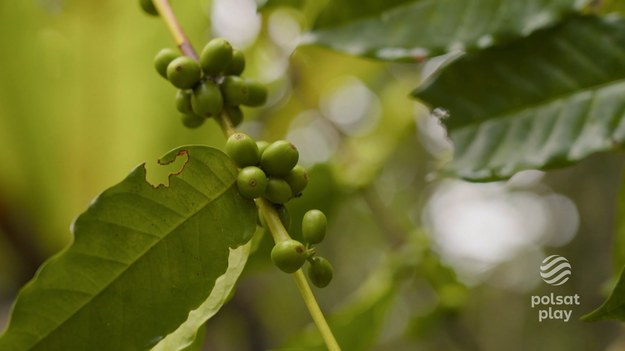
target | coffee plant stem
[
  {"x": 315, "y": 311},
  {"x": 272, "y": 218},
  {"x": 225, "y": 123},
  {"x": 279, "y": 233},
  {"x": 166, "y": 12}
]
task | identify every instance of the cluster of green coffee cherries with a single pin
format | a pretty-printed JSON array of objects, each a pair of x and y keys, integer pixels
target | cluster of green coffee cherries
[
  {"x": 290, "y": 255},
  {"x": 271, "y": 171},
  {"x": 212, "y": 85}
]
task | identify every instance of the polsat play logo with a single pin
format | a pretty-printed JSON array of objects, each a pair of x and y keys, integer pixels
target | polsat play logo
[{"x": 555, "y": 270}]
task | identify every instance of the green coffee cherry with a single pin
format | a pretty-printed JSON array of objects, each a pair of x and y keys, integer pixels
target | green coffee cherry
[
  {"x": 278, "y": 191},
  {"x": 242, "y": 149},
  {"x": 163, "y": 58},
  {"x": 148, "y": 7},
  {"x": 289, "y": 255},
  {"x": 184, "y": 72},
  {"x": 235, "y": 113},
  {"x": 262, "y": 145},
  {"x": 279, "y": 158},
  {"x": 235, "y": 90},
  {"x": 320, "y": 271},
  {"x": 251, "y": 182},
  {"x": 216, "y": 56},
  {"x": 237, "y": 64},
  {"x": 183, "y": 101},
  {"x": 207, "y": 99},
  {"x": 192, "y": 121},
  {"x": 257, "y": 93},
  {"x": 314, "y": 226},
  {"x": 297, "y": 179}
]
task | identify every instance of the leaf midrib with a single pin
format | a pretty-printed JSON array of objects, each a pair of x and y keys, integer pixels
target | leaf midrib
[{"x": 133, "y": 262}]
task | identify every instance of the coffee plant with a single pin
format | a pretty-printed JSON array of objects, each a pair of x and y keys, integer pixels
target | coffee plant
[{"x": 518, "y": 85}]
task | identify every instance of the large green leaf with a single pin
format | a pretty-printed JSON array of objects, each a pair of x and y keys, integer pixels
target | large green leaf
[
  {"x": 185, "y": 336},
  {"x": 613, "y": 307},
  {"x": 541, "y": 102},
  {"x": 142, "y": 258},
  {"x": 338, "y": 12},
  {"x": 414, "y": 30}
]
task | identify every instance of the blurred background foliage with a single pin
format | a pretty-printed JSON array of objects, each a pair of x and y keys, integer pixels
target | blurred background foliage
[{"x": 420, "y": 262}]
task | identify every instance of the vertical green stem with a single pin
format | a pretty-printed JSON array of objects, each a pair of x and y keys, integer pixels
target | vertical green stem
[
  {"x": 315, "y": 311},
  {"x": 268, "y": 212},
  {"x": 166, "y": 12}
]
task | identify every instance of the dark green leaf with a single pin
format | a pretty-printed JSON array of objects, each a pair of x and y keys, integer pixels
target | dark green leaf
[
  {"x": 613, "y": 307},
  {"x": 619, "y": 240},
  {"x": 142, "y": 258},
  {"x": 415, "y": 30},
  {"x": 192, "y": 331},
  {"x": 338, "y": 12},
  {"x": 269, "y": 4},
  {"x": 541, "y": 102}
]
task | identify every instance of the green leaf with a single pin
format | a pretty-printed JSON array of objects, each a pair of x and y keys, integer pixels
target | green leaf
[
  {"x": 142, "y": 258},
  {"x": 415, "y": 30},
  {"x": 185, "y": 336},
  {"x": 619, "y": 240},
  {"x": 542, "y": 102},
  {"x": 263, "y": 5},
  {"x": 338, "y": 12},
  {"x": 613, "y": 307}
]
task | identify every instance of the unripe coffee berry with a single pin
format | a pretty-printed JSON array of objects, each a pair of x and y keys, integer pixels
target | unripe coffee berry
[
  {"x": 257, "y": 93},
  {"x": 262, "y": 145},
  {"x": 184, "y": 72},
  {"x": 235, "y": 90},
  {"x": 207, "y": 99},
  {"x": 279, "y": 158},
  {"x": 216, "y": 56},
  {"x": 148, "y": 7},
  {"x": 314, "y": 226},
  {"x": 183, "y": 101},
  {"x": 237, "y": 64},
  {"x": 278, "y": 191},
  {"x": 251, "y": 182},
  {"x": 289, "y": 255},
  {"x": 320, "y": 271},
  {"x": 297, "y": 179},
  {"x": 163, "y": 58},
  {"x": 192, "y": 121},
  {"x": 242, "y": 149}
]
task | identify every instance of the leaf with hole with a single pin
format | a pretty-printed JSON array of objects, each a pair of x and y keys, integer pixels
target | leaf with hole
[{"x": 142, "y": 258}]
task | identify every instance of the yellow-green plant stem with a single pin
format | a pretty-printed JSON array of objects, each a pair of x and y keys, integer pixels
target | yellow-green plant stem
[
  {"x": 268, "y": 212},
  {"x": 279, "y": 233},
  {"x": 166, "y": 12},
  {"x": 225, "y": 123}
]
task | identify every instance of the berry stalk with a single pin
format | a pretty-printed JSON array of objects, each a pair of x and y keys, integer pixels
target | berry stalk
[{"x": 166, "y": 12}]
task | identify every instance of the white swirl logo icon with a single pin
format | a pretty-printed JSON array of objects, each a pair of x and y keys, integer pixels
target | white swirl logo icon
[{"x": 555, "y": 270}]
